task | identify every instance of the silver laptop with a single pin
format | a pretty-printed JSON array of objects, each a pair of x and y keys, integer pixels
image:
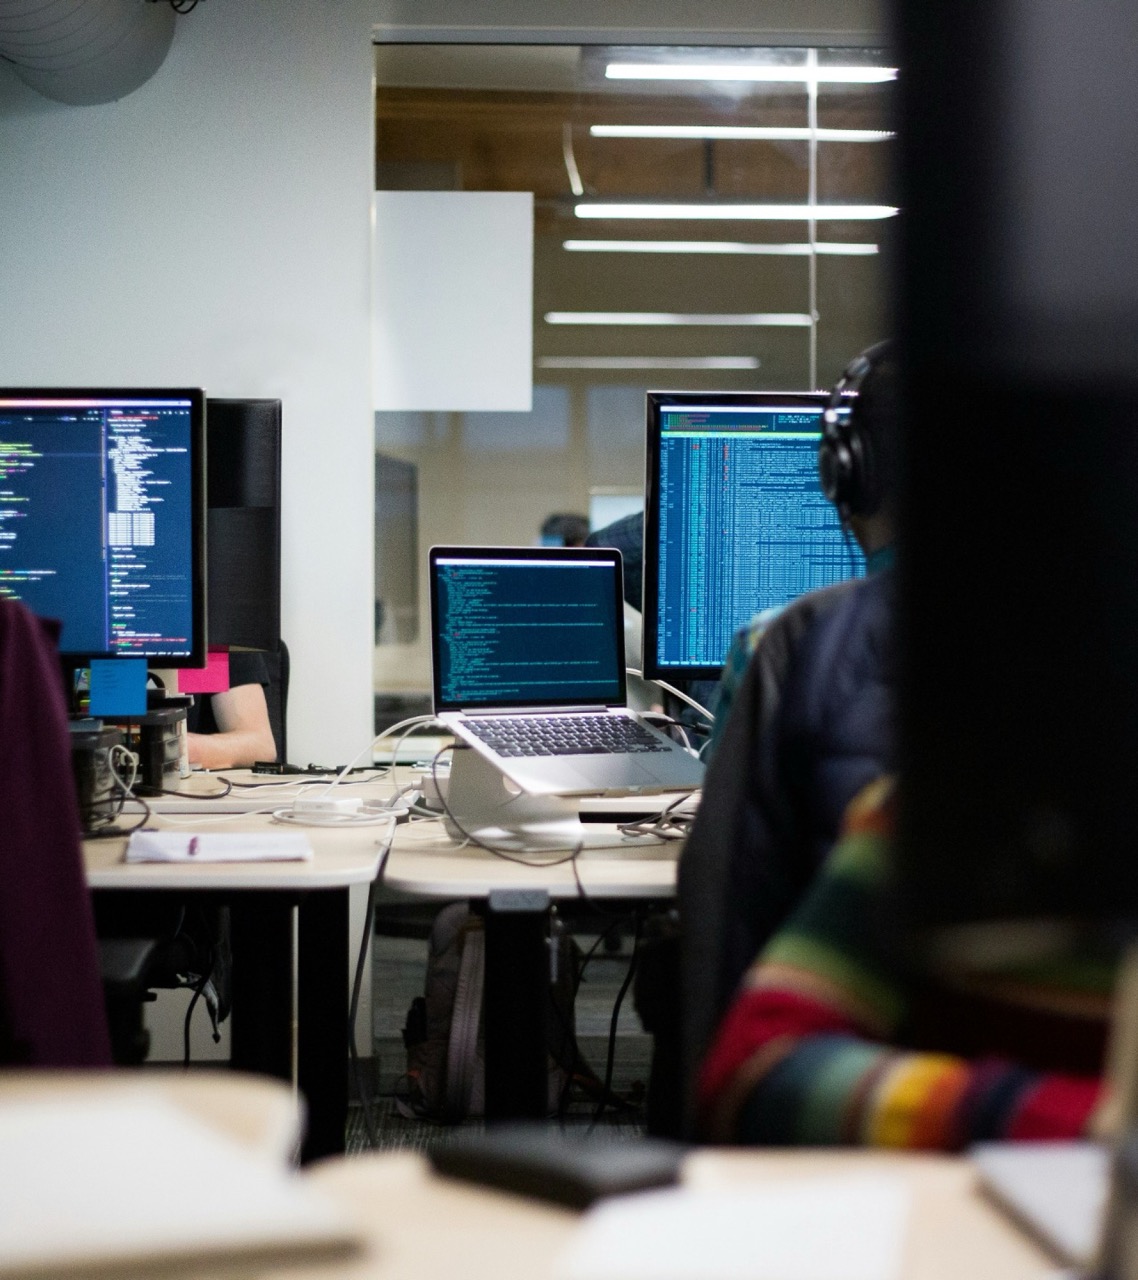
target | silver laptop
[{"x": 528, "y": 665}]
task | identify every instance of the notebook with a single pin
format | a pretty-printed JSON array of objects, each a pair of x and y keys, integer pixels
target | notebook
[{"x": 529, "y": 671}]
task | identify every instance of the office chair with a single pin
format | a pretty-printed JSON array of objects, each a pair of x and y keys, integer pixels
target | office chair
[
  {"x": 51, "y": 1003},
  {"x": 276, "y": 697},
  {"x": 173, "y": 939}
]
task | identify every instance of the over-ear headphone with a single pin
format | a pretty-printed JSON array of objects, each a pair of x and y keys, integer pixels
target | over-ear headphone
[{"x": 848, "y": 469}]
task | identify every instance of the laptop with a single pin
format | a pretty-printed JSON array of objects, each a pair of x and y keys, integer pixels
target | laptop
[{"x": 529, "y": 671}]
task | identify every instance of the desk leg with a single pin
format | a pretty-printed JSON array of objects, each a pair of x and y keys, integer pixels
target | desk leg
[
  {"x": 515, "y": 999},
  {"x": 262, "y": 984},
  {"x": 322, "y": 997}
]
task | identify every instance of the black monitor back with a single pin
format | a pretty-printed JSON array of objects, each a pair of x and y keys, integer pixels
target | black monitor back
[{"x": 243, "y": 494}]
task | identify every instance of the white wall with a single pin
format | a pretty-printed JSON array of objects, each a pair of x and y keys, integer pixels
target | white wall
[{"x": 213, "y": 228}]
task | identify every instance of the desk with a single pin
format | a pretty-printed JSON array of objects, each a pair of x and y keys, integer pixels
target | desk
[
  {"x": 261, "y": 897},
  {"x": 426, "y": 863},
  {"x": 953, "y": 1232}
]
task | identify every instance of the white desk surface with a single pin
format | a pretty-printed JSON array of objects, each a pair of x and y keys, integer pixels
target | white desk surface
[
  {"x": 426, "y": 863},
  {"x": 344, "y": 856},
  {"x": 952, "y": 1232}
]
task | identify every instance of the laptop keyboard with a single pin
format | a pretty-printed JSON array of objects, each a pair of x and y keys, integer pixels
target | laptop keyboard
[{"x": 586, "y": 735}]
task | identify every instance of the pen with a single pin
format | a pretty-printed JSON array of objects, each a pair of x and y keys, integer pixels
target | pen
[{"x": 193, "y": 846}]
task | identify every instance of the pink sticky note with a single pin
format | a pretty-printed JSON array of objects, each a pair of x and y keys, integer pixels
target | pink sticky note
[{"x": 212, "y": 678}]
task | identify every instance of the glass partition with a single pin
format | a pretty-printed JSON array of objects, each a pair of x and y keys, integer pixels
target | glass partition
[{"x": 705, "y": 219}]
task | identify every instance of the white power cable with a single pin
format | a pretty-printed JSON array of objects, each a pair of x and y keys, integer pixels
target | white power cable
[
  {"x": 367, "y": 815},
  {"x": 676, "y": 693}
]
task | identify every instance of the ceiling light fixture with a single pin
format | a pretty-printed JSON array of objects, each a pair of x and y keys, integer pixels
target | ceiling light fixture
[
  {"x": 751, "y": 71},
  {"x": 648, "y": 362},
  {"x": 736, "y": 212},
  {"x": 798, "y": 249},
  {"x": 779, "y": 318},
  {"x": 744, "y": 133}
]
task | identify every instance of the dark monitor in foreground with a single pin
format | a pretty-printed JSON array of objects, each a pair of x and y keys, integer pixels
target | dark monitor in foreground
[
  {"x": 1019, "y": 529},
  {"x": 102, "y": 518},
  {"x": 735, "y": 521}
]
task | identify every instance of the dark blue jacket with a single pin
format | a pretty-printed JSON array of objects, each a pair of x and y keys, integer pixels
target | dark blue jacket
[{"x": 813, "y": 723}]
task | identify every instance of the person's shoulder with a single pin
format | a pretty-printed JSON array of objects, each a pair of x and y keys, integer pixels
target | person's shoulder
[{"x": 785, "y": 631}]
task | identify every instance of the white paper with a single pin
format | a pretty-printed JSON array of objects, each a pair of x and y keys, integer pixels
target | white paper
[
  {"x": 230, "y": 846},
  {"x": 847, "y": 1228},
  {"x": 135, "y": 1178}
]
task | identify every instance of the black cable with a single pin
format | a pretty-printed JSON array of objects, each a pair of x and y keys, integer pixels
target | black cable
[
  {"x": 611, "y": 1057},
  {"x": 570, "y": 1029},
  {"x": 291, "y": 780},
  {"x": 190, "y": 1013},
  {"x": 107, "y": 832},
  {"x": 197, "y": 795}
]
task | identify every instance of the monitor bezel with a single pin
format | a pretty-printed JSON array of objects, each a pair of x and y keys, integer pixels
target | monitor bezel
[
  {"x": 562, "y": 554},
  {"x": 197, "y": 399},
  {"x": 650, "y": 578}
]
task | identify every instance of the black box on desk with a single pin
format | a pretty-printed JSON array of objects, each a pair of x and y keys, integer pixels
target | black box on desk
[
  {"x": 158, "y": 738},
  {"x": 91, "y": 744}
]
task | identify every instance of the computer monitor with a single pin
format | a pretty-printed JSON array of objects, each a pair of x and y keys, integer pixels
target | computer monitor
[
  {"x": 102, "y": 518},
  {"x": 735, "y": 521}
]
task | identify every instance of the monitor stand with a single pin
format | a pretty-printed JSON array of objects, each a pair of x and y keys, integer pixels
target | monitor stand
[{"x": 483, "y": 805}]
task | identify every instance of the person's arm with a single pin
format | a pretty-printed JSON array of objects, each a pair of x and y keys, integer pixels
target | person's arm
[
  {"x": 244, "y": 734},
  {"x": 806, "y": 1053}
]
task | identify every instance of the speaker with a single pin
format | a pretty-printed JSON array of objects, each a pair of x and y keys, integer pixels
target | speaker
[{"x": 243, "y": 522}]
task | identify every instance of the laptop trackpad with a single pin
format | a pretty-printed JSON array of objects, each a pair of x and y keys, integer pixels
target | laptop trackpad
[{"x": 609, "y": 773}]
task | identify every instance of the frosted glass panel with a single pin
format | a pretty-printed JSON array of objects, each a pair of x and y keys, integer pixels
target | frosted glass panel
[{"x": 453, "y": 300}]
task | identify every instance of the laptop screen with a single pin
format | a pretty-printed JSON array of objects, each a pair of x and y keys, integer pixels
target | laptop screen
[{"x": 526, "y": 627}]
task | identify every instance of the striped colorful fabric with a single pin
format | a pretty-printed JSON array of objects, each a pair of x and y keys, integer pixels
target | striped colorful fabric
[{"x": 806, "y": 1053}]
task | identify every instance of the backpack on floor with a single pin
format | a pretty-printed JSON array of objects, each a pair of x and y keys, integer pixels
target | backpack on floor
[{"x": 445, "y": 1077}]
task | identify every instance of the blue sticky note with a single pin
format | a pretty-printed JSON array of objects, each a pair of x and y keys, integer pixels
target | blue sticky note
[{"x": 118, "y": 686}]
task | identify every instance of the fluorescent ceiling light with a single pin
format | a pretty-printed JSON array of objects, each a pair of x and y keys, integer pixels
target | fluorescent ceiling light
[
  {"x": 739, "y": 132},
  {"x": 755, "y": 72},
  {"x": 648, "y": 362},
  {"x": 799, "y": 249},
  {"x": 674, "y": 317},
  {"x": 736, "y": 212}
]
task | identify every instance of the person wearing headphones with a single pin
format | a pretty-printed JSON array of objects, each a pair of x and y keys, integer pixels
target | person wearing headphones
[
  {"x": 873, "y": 531},
  {"x": 809, "y": 726}
]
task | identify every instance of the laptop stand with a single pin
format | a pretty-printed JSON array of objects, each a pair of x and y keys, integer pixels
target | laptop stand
[{"x": 481, "y": 802}]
